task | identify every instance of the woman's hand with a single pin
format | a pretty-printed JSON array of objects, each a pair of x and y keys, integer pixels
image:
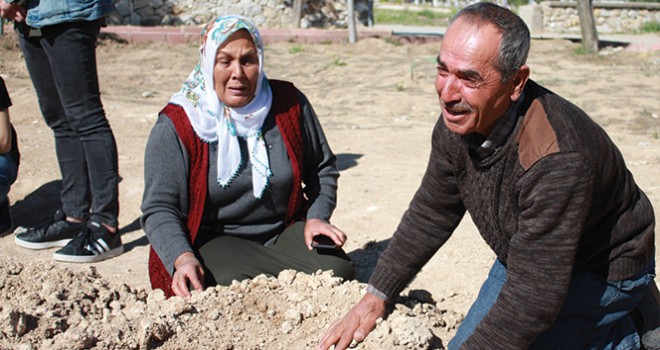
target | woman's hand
[
  {"x": 315, "y": 227},
  {"x": 187, "y": 268}
]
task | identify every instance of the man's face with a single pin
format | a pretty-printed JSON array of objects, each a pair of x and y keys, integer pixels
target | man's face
[{"x": 468, "y": 84}]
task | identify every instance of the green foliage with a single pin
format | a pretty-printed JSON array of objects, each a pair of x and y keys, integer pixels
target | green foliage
[
  {"x": 392, "y": 41},
  {"x": 337, "y": 62},
  {"x": 580, "y": 51},
  {"x": 409, "y": 17},
  {"x": 651, "y": 27},
  {"x": 297, "y": 48},
  {"x": 517, "y": 3}
]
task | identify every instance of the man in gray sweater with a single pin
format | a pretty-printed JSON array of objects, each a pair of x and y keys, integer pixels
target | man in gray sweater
[{"x": 549, "y": 193}]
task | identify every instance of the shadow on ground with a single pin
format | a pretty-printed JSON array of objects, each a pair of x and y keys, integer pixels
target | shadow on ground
[
  {"x": 37, "y": 207},
  {"x": 347, "y": 160},
  {"x": 365, "y": 259}
]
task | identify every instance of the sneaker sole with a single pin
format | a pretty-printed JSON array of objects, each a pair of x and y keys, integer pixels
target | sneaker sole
[
  {"x": 89, "y": 258},
  {"x": 41, "y": 245}
]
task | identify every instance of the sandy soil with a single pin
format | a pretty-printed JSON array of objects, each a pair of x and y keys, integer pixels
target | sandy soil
[{"x": 377, "y": 104}]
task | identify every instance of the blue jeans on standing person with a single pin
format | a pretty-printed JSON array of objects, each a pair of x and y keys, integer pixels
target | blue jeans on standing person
[
  {"x": 61, "y": 60},
  {"x": 8, "y": 173},
  {"x": 595, "y": 315}
]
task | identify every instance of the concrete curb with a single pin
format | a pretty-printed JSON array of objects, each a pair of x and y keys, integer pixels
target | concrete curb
[
  {"x": 405, "y": 34},
  {"x": 180, "y": 35}
]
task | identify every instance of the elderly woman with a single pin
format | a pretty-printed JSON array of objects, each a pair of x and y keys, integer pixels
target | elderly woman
[{"x": 239, "y": 177}]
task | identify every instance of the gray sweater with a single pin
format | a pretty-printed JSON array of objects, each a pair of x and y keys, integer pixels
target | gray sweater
[{"x": 233, "y": 210}]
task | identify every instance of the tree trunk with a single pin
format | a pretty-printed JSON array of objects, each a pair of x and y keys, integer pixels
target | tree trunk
[
  {"x": 352, "y": 32},
  {"x": 587, "y": 26},
  {"x": 297, "y": 13}
]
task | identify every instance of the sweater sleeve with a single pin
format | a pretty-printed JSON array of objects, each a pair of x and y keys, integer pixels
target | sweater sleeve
[
  {"x": 434, "y": 212},
  {"x": 165, "y": 198},
  {"x": 554, "y": 201},
  {"x": 320, "y": 172}
]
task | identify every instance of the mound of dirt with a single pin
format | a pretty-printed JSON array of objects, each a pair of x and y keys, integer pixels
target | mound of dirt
[{"x": 47, "y": 306}]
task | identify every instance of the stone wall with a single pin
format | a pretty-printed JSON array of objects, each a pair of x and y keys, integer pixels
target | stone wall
[
  {"x": 549, "y": 16},
  {"x": 265, "y": 13},
  {"x": 611, "y": 18}
]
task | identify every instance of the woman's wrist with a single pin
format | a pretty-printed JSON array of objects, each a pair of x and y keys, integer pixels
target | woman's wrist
[{"x": 184, "y": 257}]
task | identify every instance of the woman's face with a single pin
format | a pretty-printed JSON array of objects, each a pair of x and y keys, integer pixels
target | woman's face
[{"x": 236, "y": 70}]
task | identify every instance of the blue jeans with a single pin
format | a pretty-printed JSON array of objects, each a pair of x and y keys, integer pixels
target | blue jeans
[
  {"x": 8, "y": 172},
  {"x": 595, "y": 315},
  {"x": 62, "y": 66}
]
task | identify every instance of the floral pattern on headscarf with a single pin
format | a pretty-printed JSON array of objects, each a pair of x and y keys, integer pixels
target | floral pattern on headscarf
[{"x": 213, "y": 121}]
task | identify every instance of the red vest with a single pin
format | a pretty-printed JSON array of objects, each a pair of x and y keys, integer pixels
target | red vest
[{"x": 286, "y": 108}]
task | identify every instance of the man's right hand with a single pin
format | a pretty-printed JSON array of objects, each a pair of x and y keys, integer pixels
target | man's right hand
[
  {"x": 12, "y": 11},
  {"x": 187, "y": 268},
  {"x": 356, "y": 324}
]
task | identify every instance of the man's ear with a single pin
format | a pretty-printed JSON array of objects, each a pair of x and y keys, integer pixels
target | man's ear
[{"x": 519, "y": 80}]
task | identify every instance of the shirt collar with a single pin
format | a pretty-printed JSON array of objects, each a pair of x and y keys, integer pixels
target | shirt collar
[{"x": 486, "y": 146}]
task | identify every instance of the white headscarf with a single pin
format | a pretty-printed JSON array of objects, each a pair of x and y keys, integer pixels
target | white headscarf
[{"x": 213, "y": 121}]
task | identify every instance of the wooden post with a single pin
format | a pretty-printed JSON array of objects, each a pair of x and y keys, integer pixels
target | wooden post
[
  {"x": 297, "y": 13},
  {"x": 352, "y": 32},
  {"x": 587, "y": 26}
]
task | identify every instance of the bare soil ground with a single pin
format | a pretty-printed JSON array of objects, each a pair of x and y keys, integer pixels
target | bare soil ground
[{"x": 377, "y": 104}]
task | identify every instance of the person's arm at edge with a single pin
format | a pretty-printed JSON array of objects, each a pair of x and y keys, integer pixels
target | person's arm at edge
[
  {"x": 5, "y": 122},
  {"x": 12, "y": 10},
  {"x": 5, "y": 132}
]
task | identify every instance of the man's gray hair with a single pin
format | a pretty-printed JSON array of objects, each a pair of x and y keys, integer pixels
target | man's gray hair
[{"x": 514, "y": 47}]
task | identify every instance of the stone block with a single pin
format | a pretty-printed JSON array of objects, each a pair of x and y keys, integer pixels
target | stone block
[
  {"x": 138, "y": 4},
  {"x": 533, "y": 17},
  {"x": 123, "y": 8},
  {"x": 134, "y": 19},
  {"x": 146, "y": 12}
]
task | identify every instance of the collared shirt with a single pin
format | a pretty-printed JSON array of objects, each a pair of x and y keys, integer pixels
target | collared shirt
[{"x": 483, "y": 146}]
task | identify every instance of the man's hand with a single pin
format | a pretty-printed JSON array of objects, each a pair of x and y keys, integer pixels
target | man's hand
[
  {"x": 315, "y": 227},
  {"x": 13, "y": 11},
  {"x": 356, "y": 324},
  {"x": 187, "y": 268}
]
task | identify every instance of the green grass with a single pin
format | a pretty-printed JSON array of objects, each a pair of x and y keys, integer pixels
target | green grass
[
  {"x": 337, "y": 62},
  {"x": 297, "y": 48},
  {"x": 392, "y": 41},
  {"x": 651, "y": 27},
  {"x": 408, "y": 17},
  {"x": 581, "y": 51}
]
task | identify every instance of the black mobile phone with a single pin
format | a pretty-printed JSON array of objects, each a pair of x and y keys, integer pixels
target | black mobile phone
[{"x": 323, "y": 242}]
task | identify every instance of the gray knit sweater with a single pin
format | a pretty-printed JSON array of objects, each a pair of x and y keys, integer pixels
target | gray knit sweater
[
  {"x": 233, "y": 210},
  {"x": 555, "y": 198}
]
